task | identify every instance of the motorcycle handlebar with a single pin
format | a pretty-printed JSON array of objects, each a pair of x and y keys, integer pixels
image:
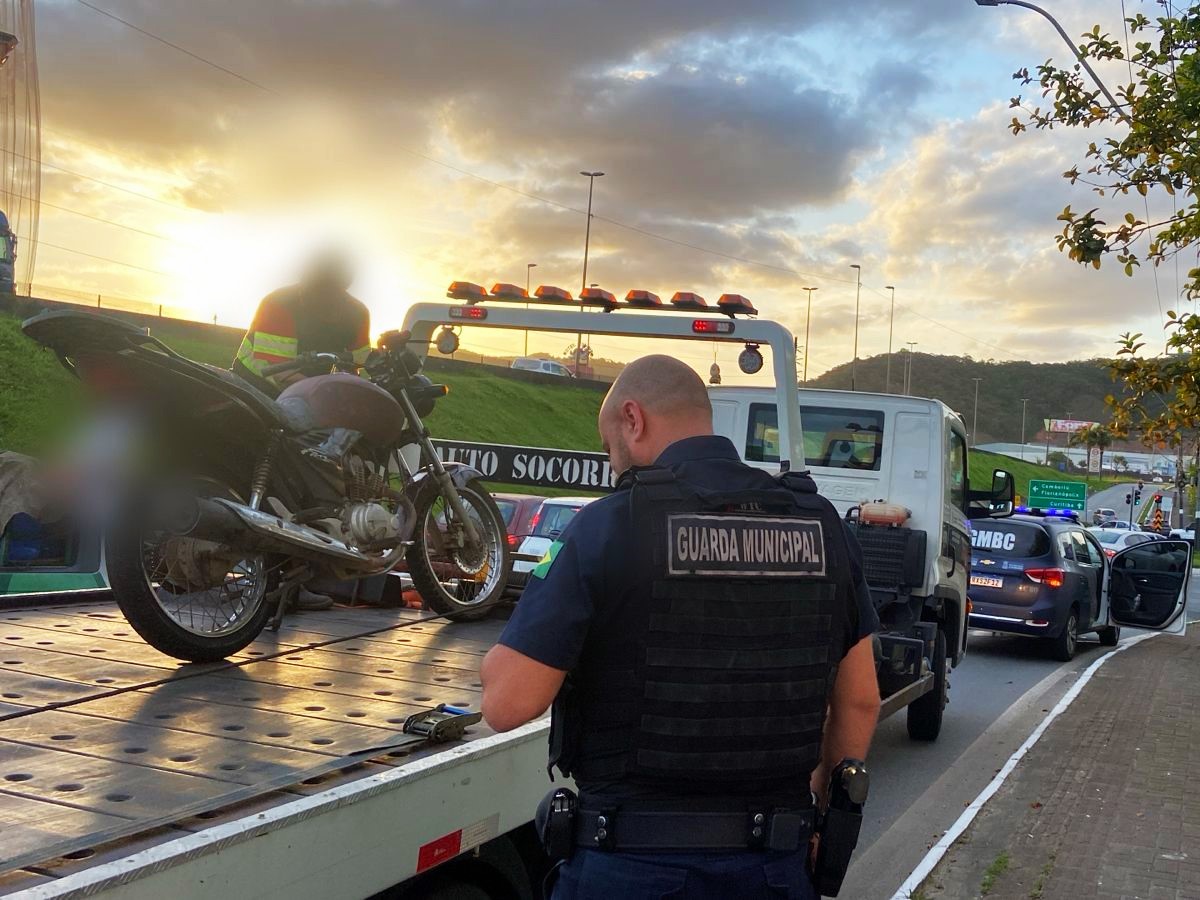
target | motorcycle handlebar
[{"x": 305, "y": 359}]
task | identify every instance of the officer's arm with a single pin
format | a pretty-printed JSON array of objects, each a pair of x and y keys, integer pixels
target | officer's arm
[
  {"x": 516, "y": 689},
  {"x": 853, "y": 712}
]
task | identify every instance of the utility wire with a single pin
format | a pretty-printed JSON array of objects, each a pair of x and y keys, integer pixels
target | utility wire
[
  {"x": 107, "y": 259},
  {"x": 107, "y": 184},
  {"x": 76, "y": 212}
]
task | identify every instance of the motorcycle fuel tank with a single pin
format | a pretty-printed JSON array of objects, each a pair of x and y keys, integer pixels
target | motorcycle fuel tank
[{"x": 342, "y": 400}]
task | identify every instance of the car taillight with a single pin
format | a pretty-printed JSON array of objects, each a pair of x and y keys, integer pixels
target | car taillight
[
  {"x": 533, "y": 523},
  {"x": 1050, "y": 577},
  {"x": 512, "y": 540},
  {"x": 1109, "y": 553}
]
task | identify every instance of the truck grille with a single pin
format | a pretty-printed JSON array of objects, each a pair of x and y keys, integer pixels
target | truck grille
[{"x": 892, "y": 557}]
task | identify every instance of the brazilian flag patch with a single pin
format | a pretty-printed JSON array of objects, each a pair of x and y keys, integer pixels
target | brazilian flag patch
[{"x": 542, "y": 569}]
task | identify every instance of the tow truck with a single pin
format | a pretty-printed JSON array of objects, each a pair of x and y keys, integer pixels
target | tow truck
[{"x": 342, "y": 756}]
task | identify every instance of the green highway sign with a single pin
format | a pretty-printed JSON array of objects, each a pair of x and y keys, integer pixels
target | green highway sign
[{"x": 1058, "y": 495}]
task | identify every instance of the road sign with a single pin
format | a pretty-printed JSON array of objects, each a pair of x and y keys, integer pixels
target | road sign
[
  {"x": 1066, "y": 426},
  {"x": 1094, "y": 460},
  {"x": 1058, "y": 495}
]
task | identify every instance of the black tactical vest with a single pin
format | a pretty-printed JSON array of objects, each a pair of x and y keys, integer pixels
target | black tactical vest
[{"x": 721, "y": 686}]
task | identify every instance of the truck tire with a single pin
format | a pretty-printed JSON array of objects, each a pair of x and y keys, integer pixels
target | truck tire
[{"x": 925, "y": 713}]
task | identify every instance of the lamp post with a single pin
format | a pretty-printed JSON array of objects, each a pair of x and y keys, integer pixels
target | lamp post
[
  {"x": 1024, "y": 403},
  {"x": 528, "y": 268},
  {"x": 891, "y": 327},
  {"x": 1075, "y": 50},
  {"x": 975, "y": 417},
  {"x": 857, "y": 303},
  {"x": 807, "y": 327},
  {"x": 587, "y": 241},
  {"x": 908, "y": 377}
]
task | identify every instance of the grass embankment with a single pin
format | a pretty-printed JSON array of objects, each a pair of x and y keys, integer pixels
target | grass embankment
[{"x": 981, "y": 463}]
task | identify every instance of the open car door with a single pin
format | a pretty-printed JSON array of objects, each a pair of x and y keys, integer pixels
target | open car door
[{"x": 1146, "y": 586}]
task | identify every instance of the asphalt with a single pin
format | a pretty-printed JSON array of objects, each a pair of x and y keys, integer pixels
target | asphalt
[{"x": 1114, "y": 498}]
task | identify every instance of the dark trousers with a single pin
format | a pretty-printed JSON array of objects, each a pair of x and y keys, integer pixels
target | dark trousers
[{"x": 596, "y": 875}]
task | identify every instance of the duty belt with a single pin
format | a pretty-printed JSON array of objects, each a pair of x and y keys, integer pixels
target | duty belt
[{"x": 628, "y": 830}]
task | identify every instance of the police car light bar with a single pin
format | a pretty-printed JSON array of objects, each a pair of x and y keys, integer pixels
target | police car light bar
[
  {"x": 465, "y": 290},
  {"x": 509, "y": 292},
  {"x": 468, "y": 312},
  {"x": 1052, "y": 513},
  {"x": 712, "y": 326}
]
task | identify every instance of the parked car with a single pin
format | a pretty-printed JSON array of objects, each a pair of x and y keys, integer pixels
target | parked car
[
  {"x": 518, "y": 511},
  {"x": 1102, "y": 514},
  {"x": 1187, "y": 532},
  {"x": 545, "y": 366},
  {"x": 1114, "y": 540},
  {"x": 1041, "y": 576},
  {"x": 549, "y": 522}
]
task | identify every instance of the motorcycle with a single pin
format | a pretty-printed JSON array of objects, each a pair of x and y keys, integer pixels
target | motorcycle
[{"x": 224, "y": 501}]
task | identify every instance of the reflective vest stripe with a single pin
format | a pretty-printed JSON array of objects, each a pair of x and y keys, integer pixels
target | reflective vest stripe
[{"x": 259, "y": 349}]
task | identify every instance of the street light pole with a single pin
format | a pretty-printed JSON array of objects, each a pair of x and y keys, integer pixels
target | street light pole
[
  {"x": 908, "y": 384},
  {"x": 1024, "y": 402},
  {"x": 891, "y": 327},
  {"x": 857, "y": 304},
  {"x": 1116, "y": 107},
  {"x": 528, "y": 268},
  {"x": 975, "y": 418},
  {"x": 807, "y": 327},
  {"x": 587, "y": 241}
]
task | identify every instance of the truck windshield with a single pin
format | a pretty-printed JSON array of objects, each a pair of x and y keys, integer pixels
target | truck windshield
[{"x": 834, "y": 438}]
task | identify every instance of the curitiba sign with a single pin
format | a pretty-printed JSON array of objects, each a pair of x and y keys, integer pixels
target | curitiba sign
[{"x": 1058, "y": 495}]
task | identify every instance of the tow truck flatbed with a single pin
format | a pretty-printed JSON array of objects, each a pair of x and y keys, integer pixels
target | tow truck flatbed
[{"x": 124, "y": 770}]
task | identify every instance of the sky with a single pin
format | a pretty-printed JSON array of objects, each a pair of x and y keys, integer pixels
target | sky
[{"x": 753, "y": 148}]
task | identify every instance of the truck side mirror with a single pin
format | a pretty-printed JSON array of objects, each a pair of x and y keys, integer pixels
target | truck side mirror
[{"x": 996, "y": 503}]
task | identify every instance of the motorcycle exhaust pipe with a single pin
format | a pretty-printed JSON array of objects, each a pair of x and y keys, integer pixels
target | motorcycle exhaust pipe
[{"x": 226, "y": 522}]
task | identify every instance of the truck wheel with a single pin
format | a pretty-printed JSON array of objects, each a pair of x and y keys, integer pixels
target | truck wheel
[
  {"x": 1068, "y": 639},
  {"x": 925, "y": 713},
  {"x": 1109, "y": 637}
]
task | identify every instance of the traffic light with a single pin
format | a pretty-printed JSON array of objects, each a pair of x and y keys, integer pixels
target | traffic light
[
  {"x": 1128, "y": 499},
  {"x": 1158, "y": 499}
]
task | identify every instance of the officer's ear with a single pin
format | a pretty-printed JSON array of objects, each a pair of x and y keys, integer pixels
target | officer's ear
[{"x": 633, "y": 418}]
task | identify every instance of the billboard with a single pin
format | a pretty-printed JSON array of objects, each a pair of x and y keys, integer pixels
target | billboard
[{"x": 1066, "y": 426}]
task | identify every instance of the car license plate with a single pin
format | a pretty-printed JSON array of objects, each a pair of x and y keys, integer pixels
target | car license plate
[{"x": 986, "y": 581}]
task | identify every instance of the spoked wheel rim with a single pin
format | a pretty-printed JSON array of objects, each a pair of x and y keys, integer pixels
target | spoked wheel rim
[
  {"x": 205, "y": 589},
  {"x": 1072, "y": 637},
  {"x": 467, "y": 577}
]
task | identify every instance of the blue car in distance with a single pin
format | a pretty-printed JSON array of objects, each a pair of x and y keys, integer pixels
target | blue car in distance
[{"x": 1038, "y": 575}]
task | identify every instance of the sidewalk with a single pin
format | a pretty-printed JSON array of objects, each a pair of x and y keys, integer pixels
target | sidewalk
[{"x": 1107, "y": 803}]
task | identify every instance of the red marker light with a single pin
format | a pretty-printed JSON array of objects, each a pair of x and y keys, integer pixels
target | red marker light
[
  {"x": 643, "y": 298},
  {"x": 468, "y": 312},
  {"x": 509, "y": 292},
  {"x": 465, "y": 290},
  {"x": 711, "y": 326}
]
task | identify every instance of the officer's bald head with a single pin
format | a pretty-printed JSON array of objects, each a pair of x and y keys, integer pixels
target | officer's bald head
[{"x": 654, "y": 402}]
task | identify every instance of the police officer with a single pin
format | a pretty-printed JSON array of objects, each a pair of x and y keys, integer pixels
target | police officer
[{"x": 705, "y": 637}]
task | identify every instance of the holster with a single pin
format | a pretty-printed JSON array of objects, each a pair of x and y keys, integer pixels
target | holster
[
  {"x": 838, "y": 831},
  {"x": 555, "y": 823}
]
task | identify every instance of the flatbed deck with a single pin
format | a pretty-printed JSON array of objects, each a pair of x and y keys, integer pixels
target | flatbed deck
[{"x": 106, "y": 745}]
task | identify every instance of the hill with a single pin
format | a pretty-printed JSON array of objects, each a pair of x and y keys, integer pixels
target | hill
[{"x": 1055, "y": 390}]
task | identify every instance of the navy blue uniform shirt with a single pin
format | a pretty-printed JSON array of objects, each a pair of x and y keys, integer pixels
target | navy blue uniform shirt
[{"x": 582, "y": 594}]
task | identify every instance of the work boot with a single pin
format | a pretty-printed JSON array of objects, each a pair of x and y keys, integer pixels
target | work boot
[{"x": 307, "y": 600}]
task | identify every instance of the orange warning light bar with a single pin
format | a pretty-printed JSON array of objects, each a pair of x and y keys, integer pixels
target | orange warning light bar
[
  {"x": 688, "y": 300},
  {"x": 736, "y": 304},
  {"x": 505, "y": 291},
  {"x": 465, "y": 290},
  {"x": 644, "y": 299}
]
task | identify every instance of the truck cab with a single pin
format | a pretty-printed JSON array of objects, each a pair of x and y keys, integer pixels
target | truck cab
[{"x": 896, "y": 468}]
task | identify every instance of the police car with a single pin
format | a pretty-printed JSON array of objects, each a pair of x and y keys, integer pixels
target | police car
[{"x": 1039, "y": 574}]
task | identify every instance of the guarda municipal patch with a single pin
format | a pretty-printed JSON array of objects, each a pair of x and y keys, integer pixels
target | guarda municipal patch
[
  {"x": 542, "y": 569},
  {"x": 744, "y": 545}
]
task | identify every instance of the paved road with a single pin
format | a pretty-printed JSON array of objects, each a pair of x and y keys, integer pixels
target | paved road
[
  {"x": 998, "y": 695},
  {"x": 1114, "y": 498}
]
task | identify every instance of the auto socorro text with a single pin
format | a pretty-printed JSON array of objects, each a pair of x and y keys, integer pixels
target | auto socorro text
[{"x": 536, "y": 466}]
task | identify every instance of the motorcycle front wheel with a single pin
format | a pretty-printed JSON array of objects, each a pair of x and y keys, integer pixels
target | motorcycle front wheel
[
  {"x": 454, "y": 578},
  {"x": 191, "y": 599}
]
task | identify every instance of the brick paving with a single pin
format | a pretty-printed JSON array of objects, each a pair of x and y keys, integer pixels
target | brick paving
[{"x": 1107, "y": 804}]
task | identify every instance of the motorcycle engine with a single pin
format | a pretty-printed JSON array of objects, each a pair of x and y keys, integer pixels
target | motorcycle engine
[{"x": 371, "y": 524}]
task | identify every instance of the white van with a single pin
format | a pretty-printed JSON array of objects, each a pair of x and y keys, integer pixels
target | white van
[
  {"x": 864, "y": 448},
  {"x": 545, "y": 366}
]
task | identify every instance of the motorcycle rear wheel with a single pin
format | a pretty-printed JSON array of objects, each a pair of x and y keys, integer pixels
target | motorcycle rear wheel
[
  {"x": 193, "y": 600},
  {"x": 448, "y": 580}
]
